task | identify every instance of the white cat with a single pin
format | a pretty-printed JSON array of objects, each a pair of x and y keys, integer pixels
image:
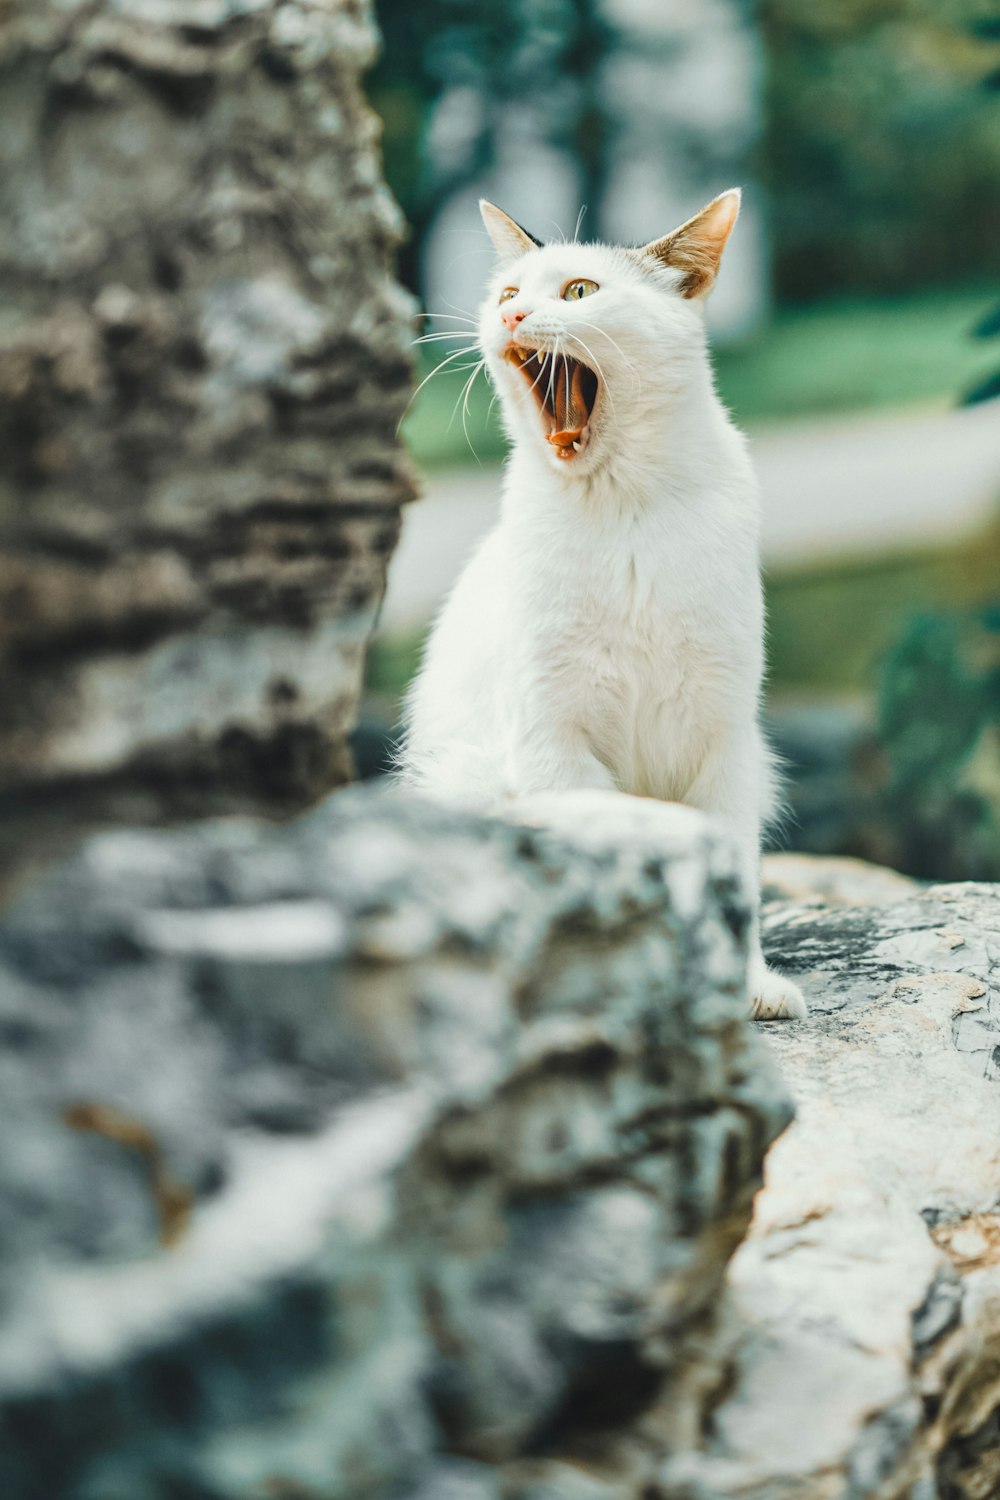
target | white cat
[{"x": 609, "y": 631}]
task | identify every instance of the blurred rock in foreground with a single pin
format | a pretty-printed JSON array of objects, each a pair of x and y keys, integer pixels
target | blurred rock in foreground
[
  {"x": 202, "y": 365},
  {"x": 400, "y": 1155},
  {"x": 396, "y": 1154}
]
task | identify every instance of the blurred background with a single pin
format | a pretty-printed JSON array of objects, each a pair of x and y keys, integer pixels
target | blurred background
[{"x": 856, "y": 335}]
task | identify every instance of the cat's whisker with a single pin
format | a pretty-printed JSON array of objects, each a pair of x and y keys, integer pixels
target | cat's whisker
[
  {"x": 441, "y": 365},
  {"x": 464, "y": 398},
  {"x": 541, "y": 372},
  {"x": 595, "y": 365},
  {"x": 579, "y": 221},
  {"x": 629, "y": 363},
  {"x": 433, "y": 338},
  {"x": 455, "y": 312},
  {"x": 551, "y": 363},
  {"x": 471, "y": 324},
  {"x": 470, "y": 335},
  {"x": 438, "y": 368}
]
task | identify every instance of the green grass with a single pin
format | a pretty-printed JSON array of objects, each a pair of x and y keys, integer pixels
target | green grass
[
  {"x": 843, "y": 355},
  {"x": 849, "y": 355}
]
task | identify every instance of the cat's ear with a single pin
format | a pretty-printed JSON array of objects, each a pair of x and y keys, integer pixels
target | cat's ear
[
  {"x": 695, "y": 249},
  {"x": 509, "y": 239}
]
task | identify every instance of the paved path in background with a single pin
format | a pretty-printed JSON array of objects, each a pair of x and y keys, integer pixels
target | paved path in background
[{"x": 832, "y": 488}]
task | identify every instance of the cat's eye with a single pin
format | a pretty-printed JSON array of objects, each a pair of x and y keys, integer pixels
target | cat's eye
[
  {"x": 574, "y": 291},
  {"x": 507, "y": 293}
]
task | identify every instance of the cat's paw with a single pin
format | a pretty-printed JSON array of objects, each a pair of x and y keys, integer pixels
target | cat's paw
[{"x": 773, "y": 997}]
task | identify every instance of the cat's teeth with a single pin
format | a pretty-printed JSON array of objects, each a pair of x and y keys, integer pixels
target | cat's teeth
[{"x": 578, "y": 447}]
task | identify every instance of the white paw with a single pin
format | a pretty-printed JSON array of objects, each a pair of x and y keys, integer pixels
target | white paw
[{"x": 774, "y": 998}]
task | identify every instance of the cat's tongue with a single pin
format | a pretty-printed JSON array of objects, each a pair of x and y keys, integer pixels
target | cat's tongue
[{"x": 569, "y": 407}]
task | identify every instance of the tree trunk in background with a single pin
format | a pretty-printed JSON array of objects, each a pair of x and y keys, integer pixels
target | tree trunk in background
[{"x": 201, "y": 371}]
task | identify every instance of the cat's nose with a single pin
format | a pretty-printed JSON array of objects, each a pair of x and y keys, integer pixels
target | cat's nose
[{"x": 510, "y": 320}]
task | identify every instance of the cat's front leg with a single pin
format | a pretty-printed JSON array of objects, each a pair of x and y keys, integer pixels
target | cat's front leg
[
  {"x": 773, "y": 996},
  {"x": 734, "y": 786}
]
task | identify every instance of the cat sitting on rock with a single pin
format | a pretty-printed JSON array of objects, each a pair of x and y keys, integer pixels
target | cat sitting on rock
[{"x": 608, "y": 632}]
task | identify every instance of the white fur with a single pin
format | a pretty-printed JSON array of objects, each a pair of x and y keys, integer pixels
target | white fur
[{"x": 609, "y": 631}]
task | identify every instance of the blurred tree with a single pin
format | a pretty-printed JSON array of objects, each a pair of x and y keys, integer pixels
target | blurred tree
[
  {"x": 881, "y": 153},
  {"x": 449, "y": 69},
  {"x": 202, "y": 362}
]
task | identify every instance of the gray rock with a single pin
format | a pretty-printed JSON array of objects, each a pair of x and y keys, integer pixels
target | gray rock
[
  {"x": 396, "y": 1154},
  {"x": 402, "y": 1155},
  {"x": 832, "y": 879},
  {"x": 863, "y": 1310}
]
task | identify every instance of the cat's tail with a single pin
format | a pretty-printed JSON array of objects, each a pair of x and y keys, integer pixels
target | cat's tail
[{"x": 460, "y": 774}]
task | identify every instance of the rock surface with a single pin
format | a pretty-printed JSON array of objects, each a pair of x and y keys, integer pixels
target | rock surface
[
  {"x": 202, "y": 364},
  {"x": 864, "y": 1308},
  {"x": 830, "y": 879},
  {"x": 400, "y": 1156},
  {"x": 397, "y": 1154}
]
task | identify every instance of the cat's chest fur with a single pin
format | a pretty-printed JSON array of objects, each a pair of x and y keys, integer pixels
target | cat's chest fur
[{"x": 639, "y": 627}]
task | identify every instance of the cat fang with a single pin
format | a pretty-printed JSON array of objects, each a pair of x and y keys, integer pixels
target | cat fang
[{"x": 564, "y": 389}]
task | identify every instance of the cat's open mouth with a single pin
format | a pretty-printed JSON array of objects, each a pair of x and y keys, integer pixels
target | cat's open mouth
[{"x": 565, "y": 391}]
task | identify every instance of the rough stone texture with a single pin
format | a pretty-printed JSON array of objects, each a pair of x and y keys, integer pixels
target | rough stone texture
[
  {"x": 201, "y": 370},
  {"x": 863, "y": 1311},
  {"x": 829, "y": 879},
  {"x": 399, "y": 1154}
]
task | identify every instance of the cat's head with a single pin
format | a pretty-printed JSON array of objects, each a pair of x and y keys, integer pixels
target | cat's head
[{"x": 585, "y": 343}]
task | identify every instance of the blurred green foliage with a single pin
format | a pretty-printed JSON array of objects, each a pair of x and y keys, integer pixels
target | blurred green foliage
[
  {"x": 989, "y": 387},
  {"x": 939, "y": 733},
  {"x": 881, "y": 150},
  {"x": 850, "y": 353},
  {"x": 989, "y": 328}
]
